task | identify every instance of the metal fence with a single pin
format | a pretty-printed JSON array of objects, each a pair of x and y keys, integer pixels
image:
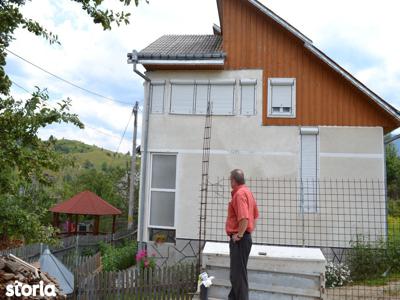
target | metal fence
[
  {"x": 346, "y": 219},
  {"x": 32, "y": 252}
]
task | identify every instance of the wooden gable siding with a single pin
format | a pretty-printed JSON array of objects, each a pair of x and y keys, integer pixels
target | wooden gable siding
[{"x": 252, "y": 40}]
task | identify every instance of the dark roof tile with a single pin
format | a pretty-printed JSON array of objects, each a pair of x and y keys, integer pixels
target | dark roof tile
[{"x": 184, "y": 47}]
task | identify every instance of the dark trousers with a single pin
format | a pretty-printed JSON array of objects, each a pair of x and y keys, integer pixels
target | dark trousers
[{"x": 239, "y": 255}]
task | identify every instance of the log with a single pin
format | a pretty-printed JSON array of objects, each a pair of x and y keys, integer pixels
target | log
[
  {"x": 8, "y": 276},
  {"x": 12, "y": 266}
]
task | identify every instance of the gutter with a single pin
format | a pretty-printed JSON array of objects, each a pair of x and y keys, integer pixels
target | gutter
[
  {"x": 393, "y": 138},
  {"x": 133, "y": 59},
  {"x": 208, "y": 62}
]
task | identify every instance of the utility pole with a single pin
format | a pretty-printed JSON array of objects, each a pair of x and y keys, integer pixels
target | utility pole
[{"x": 132, "y": 182}]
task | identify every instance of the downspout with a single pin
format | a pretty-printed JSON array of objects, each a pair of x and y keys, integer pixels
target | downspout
[{"x": 133, "y": 59}]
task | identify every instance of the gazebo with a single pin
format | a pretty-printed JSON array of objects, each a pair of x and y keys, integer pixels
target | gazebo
[{"x": 84, "y": 203}]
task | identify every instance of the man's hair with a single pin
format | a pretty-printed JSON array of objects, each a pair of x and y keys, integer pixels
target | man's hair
[{"x": 238, "y": 176}]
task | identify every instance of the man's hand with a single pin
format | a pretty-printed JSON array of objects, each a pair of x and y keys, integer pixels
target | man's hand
[{"x": 236, "y": 237}]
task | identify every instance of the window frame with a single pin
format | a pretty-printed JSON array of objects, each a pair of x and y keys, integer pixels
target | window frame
[
  {"x": 150, "y": 190},
  {"x": 247, "y": 83},
  {"x": 180, "y": 83},
  {"x": 283, "y": 82},
  {"x": 157, "y": 83},
  {"x": 310, "y": 131},
  {"x": 231, "y": 82}
]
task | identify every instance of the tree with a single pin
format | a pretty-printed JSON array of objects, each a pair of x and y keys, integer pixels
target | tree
[
  {"x": 392, "y": 171},
  {"x": 24, "y": 157}
]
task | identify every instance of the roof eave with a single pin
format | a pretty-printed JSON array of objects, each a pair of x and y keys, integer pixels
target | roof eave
[{"x": 167, "y": 62}]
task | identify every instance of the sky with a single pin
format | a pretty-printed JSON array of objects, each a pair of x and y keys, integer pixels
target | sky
[{"x": 362, "y": 36}]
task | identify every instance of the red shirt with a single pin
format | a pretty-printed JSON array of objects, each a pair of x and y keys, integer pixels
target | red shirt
[{"x": 242, "y": 206}]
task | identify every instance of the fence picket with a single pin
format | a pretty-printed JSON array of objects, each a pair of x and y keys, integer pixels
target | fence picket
[{"x": 168, "y": 282}]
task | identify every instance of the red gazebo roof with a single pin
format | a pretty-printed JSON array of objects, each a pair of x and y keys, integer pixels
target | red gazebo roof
[{"x": 86, "y": 203}]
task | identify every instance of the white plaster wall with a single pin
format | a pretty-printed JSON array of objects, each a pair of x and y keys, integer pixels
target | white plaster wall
[{"x": 261, "y": 151}]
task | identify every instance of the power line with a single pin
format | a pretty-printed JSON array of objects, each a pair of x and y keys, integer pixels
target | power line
[
  {"x": 21, "y": 87},
  {"x": 67, "y": 81},
  {"x": 123, "y": 135},
  {"x": 88, "y": 126}
]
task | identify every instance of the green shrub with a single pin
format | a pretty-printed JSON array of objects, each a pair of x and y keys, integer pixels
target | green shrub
[
  {"x": 367, "y": 259},
  {"x": 118, "y": 258}
]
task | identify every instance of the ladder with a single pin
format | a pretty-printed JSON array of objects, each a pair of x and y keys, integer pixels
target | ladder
[{"x": 204, "y": 180}]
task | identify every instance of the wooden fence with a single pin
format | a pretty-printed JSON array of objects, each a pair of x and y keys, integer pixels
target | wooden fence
[{"x": 175, "y": 282}]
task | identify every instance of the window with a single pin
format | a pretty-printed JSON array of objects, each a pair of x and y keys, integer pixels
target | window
[
  {"x": 202, "y": 89},
  {"x": 157, "y": 96},
  {"x": 222, "y": 95},
  {"x": 309, "y": 169},
  {"x": 182, "y": 94},
  {"x": 282, "y": 97},
  {"x": 162, "y": 191},
  {"x": 248, "y": 97}
]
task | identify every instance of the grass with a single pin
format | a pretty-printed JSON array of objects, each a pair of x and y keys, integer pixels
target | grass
[
  {"x": 82, "y": 153},
  {"x": 378, "y": 281}
]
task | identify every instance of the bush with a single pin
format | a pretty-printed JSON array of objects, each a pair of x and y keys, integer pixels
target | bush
[
  {"x": 337, "y": 274},
  {"x": 118, "y": 258},
  {"x": 367, "y": 259}
]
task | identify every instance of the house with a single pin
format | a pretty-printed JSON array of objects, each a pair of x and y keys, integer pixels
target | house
[{"x": 281, "y": 108}]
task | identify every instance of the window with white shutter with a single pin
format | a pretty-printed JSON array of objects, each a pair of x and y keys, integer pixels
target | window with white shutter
[
  {"x": 309, "y": 170},
  {"x": 282, "y": 97},
  {"x": 201, "y": 98},
  {"x": 222, "y": 95},
  {"x": 248, "y": 97},
  {"x": 182, "y": 97},
  {"x": 157, "y": 97},
  {"x": 162, "y": 191}
]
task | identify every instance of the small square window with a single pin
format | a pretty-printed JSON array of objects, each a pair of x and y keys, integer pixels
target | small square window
[{"x": 282, "y": 97}]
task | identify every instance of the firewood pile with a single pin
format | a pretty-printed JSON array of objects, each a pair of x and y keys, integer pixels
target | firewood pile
[{"x": 20, "y": 280}]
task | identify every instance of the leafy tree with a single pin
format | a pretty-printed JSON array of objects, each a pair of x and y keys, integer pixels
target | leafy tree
[
  {"x": 22, "y": 152},
  {"x": 24, "y": 157},
  {"x": 393, "y": 171}
]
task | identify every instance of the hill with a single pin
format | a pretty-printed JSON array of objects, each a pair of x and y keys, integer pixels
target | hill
[{"x": 90, "y": 156}]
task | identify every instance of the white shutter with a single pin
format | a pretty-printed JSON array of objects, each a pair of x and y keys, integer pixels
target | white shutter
[
  {"x": 309, "y": 171},
  {"x": 157, "y": 97},
  {"x": 281, "y": 95},
  {"x": 222, "y": 97},
  {"x": 182, "y": 98},
  {"x": 201, "y": 98},
  {"x": 248, "y": 99}
]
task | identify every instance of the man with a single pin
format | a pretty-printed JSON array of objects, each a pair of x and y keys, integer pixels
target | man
[{"x": 242, "y": 214}]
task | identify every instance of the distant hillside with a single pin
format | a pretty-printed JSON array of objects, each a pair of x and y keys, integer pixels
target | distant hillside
[{"x": 86, "y": 155}]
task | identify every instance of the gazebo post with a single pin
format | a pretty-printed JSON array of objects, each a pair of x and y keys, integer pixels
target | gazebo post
[
  {"x": 69, "y": 224},
  {"x": 76, "y": 223},
  {"x": 96, "y": 225},
  {"x": 113, "y": 225},
  {"x": 56, "y": 219}
]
